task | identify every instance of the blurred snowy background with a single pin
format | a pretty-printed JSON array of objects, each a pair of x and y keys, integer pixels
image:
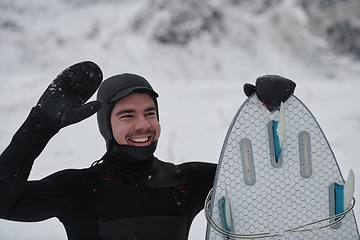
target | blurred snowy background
[{"x": 197, "y": 54}]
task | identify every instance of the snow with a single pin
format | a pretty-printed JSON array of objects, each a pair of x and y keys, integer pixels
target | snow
[{"x": 200, "y": 83}]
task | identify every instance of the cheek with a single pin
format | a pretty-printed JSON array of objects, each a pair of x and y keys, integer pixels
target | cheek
[
  {"x": 157, "y": 129},
  {"x": 119, "y": 133}
]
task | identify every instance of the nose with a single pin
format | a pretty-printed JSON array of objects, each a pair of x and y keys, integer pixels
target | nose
[{"x": 141, "y": 123}]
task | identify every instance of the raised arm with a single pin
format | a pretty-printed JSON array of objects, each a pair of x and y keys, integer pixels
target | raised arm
[{"x": 62, "y": 104}]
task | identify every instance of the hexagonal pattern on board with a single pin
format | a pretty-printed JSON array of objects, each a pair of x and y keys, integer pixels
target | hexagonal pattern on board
[{"x": 273, "y": 199}]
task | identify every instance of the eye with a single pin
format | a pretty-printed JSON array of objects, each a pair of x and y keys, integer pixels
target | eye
[
  {"x": 126, "y": 116},
  {"x": 150, "y": 114}
]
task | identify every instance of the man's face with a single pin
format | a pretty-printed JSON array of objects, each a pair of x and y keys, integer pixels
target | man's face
[{"x": 133, "y": 120}]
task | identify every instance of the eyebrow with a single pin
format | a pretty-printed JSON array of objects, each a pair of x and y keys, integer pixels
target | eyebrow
[
  {"x": 150, "y": 109},
  {"x": 124, "y": 112},
  {"x": 132, "y": 111}
]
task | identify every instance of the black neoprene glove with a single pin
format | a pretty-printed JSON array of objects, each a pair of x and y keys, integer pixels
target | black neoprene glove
[{"x": 62, "y": 103}]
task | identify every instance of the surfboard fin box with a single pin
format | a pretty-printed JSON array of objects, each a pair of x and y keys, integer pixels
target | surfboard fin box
[
  {"x": 271, "y": 90},
  {"x": 305, "y": 154},
  {"x": 247, "y": 160},
  {"x": 340, "y": 197}
]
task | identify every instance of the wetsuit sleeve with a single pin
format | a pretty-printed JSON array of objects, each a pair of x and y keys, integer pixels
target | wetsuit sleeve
[
  {"x": 199, "y": 179},
  {"x": 17, "y": 159}
]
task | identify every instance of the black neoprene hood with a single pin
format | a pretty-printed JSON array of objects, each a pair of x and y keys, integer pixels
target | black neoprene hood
[{"x": 113, "y": 89}]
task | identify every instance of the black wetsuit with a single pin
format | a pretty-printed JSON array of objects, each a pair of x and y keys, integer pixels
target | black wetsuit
[{"x": 151, "y": 200}]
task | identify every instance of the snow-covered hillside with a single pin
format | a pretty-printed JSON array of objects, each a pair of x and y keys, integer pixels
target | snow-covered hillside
[
  {"x": 197, "y": 55},
  {"x": 177, "y": 40}
]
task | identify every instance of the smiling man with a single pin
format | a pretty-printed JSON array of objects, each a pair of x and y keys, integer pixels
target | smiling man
[
  {"x": 128, "y": 193},
  {"x": 134, "y": 120}
]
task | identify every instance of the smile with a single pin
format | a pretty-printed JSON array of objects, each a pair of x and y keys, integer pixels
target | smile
[{"x": 140, "y": 140}]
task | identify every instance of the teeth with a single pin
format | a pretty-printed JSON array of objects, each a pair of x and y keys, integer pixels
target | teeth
[{"x": 139, "y": 140}]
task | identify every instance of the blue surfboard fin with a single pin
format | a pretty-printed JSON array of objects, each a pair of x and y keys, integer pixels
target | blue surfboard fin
[
  {"x": 276, "y": 130},
  {"x": 225, "y": 214},
  {"x": 277, "y": 145},
  {"x": 341, "y": 196},
  {"x": 274, "y": 143}
]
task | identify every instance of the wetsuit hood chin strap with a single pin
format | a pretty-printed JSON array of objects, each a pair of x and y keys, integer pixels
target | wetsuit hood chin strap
[
  {"x": 133, "y": 154},
  {"x": 126, "y": 162}
]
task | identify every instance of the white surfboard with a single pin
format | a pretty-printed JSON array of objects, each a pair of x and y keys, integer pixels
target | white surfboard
[{"x": 279, "y": 179}]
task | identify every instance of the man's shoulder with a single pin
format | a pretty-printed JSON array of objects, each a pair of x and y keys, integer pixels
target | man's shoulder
[
  {"x": 72, "y": 175},
  {"x": 197, "y": 165},
  {"x": 197, "y": 169}
]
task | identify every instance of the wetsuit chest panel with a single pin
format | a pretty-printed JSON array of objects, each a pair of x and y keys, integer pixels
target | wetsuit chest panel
[
  {"x": 114, "y": 201},
  {"x": 143, "y": 228}
]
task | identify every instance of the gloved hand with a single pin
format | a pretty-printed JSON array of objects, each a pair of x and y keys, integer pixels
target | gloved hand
[
  {"x": 62, "y": 103},
  {"x": 271, "y": 89}
]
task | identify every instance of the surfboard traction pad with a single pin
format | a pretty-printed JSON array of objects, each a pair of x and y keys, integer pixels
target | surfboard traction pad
[{"x": 280, "y": 198}]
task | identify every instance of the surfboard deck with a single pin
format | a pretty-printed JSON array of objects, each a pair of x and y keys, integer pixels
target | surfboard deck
[{"x": 270, "y": 192}]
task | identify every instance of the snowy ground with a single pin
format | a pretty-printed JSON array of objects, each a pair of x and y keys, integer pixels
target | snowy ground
[{"x": 200, "y": 87}]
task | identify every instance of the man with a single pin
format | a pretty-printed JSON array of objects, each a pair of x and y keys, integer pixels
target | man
[{"x": 128, "y": 193}]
